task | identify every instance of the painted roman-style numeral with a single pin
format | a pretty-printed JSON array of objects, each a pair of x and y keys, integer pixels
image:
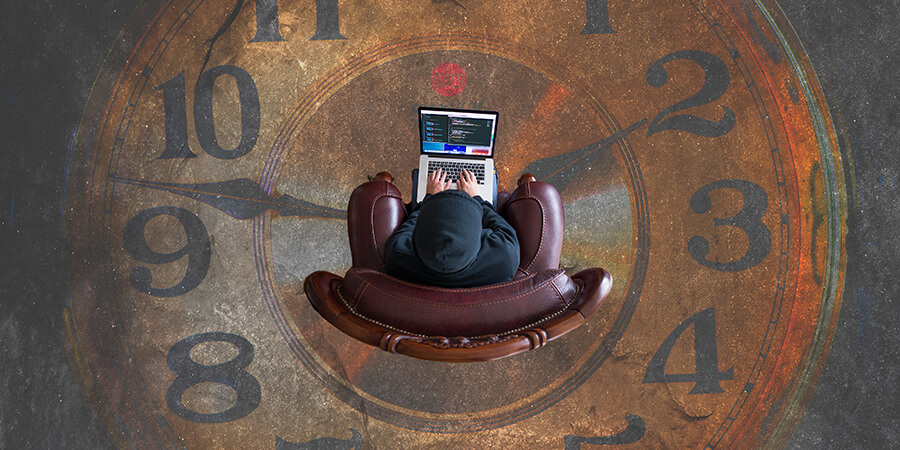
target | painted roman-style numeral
[
  {"x": 267, "y": 22},
  {"x": 197, "y": 250},
  {"x": 707, "y": 376},
  {"x": 175, "y": 110},
  {"x": 328, "y": 20},
  {"x": 328, "y": 24},
  {"x": 229, "y": 373},
  {"x": 597, "y": 18}
]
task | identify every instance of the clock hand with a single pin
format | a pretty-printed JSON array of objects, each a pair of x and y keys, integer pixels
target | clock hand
[
  {"x": 222, "y": 29},
  {"x": 560, "y": 170},
  {"x": 241, "y": 198}
]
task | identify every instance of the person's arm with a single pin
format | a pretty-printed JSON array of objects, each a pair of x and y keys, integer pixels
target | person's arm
[
  {"x": 499, "y": 238},
  {"x": 494, "y": 222},
  {"x": 490, "y": 220},
  {"x": 399, "y": 253},
  {"x": 402, "y": 236}
]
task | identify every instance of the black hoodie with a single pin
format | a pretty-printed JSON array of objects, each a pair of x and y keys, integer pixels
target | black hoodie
[{"x": 453, "y": 240}]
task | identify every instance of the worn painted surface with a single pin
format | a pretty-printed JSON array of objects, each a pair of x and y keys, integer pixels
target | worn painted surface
[{"x": 257, "y": 201}]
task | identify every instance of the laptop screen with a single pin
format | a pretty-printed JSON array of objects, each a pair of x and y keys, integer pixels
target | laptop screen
[{"x": 457, "y": 132}]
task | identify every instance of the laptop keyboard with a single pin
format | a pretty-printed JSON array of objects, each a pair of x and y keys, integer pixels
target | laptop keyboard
[{"x": 452, "y": 169}]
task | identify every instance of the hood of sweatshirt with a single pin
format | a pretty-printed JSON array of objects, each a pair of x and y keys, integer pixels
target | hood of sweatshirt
[{"x": 447, "y": 235}]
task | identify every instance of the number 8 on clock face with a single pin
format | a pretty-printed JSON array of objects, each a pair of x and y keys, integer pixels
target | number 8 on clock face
[{"x": 689, "y": 142}]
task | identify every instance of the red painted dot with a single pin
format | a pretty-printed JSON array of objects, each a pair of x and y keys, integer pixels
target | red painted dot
[{"x": 448, "y": 79}]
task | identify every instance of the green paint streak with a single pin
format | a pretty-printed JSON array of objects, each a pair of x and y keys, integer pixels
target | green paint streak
[{"x": 835, "y": 207}]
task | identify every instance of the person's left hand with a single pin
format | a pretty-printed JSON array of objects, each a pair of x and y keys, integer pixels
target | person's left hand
[
  {"x": 437, "y": 182},
  {"x": 468, "y": 183}
]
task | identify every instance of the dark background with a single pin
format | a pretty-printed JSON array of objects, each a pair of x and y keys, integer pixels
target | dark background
[{"x": 51, "y": 52}]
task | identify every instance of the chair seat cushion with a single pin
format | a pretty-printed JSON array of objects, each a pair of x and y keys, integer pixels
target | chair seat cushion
[{"x": 465, "y": 312}]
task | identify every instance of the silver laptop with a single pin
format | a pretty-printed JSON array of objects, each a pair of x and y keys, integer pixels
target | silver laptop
[{"x": 457, "y": 139}]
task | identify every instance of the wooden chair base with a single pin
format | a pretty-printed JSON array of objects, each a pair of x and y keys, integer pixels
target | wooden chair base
[{"x": 323, "y": 291}]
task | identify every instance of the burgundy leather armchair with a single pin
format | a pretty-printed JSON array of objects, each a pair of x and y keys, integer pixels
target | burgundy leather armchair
[{"x": 457, "y": 324}]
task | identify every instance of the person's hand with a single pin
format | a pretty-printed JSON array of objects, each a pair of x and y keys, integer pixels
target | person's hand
[
  {"x": 468, "y": 183},
  {"x": 437, "y": 182}
]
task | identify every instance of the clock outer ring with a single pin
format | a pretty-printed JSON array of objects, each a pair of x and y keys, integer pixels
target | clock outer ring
[
  {"x": 781, "y": 419},
  {"x": 263, "y": 261},
  {"x": 787, "y": 419}
]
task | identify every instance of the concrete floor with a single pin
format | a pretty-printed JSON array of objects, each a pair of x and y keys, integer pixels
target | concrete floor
[{"x": 51, "y": 52}]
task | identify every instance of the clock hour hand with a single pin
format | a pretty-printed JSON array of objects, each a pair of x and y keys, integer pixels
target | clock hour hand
[
  {"x": 560, "y": 170},
  {"x": 241, "y": 198}
]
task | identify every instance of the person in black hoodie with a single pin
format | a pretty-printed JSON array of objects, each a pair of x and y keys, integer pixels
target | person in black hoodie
[{"x": 453, "y": 238}]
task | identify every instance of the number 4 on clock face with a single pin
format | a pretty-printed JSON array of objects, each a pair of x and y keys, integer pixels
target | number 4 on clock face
[{"x": 706, "y": 357}]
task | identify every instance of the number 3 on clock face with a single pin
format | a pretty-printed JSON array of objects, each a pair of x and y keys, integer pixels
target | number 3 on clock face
[{"x": 689, "y": 142}]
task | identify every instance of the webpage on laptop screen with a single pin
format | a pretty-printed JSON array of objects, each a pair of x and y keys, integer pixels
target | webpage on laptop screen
[{"x": 457, "y": 133}]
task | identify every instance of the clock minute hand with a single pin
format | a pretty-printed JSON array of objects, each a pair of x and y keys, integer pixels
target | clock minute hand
[
  {"x": 241, "y": 198},
  {"x": 560, "y": 170}
]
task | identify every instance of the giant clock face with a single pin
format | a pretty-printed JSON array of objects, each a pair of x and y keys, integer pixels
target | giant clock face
[{"x": 689, "y": 142}]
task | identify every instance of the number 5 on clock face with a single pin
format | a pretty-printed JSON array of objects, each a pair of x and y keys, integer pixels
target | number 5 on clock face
[{"x": 689, "y": 142}]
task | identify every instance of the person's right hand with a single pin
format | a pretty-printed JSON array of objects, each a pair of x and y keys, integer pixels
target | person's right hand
[
  {"x": 437, "y": 182},
  {"x": 468, "y": 183}
]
